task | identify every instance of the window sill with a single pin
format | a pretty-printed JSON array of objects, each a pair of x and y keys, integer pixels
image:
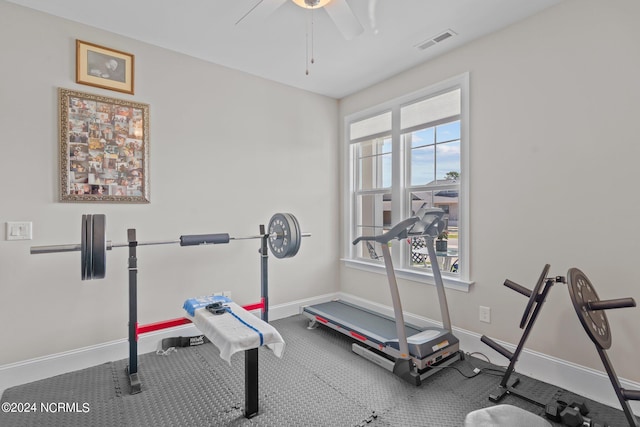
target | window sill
[{"x": 413, "y": 275}]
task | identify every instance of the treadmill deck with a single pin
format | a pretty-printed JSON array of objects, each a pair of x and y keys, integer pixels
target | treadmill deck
[{"x": 379, "y": 331}]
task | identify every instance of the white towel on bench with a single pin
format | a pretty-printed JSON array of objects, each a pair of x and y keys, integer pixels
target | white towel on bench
[{"x": 236, "y": 330}]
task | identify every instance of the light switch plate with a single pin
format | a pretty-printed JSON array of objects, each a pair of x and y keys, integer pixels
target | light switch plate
[
  {"x": 19, "y": 230},
  {"x": 485, "y": 314}
]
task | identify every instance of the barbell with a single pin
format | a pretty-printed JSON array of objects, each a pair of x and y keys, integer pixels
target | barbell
[{"x": 283, "y": 237}]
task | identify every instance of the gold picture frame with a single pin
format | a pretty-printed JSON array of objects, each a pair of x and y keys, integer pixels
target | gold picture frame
[
  {"x": 103, "y": 67},
  {"x": 104, "y": 148}
]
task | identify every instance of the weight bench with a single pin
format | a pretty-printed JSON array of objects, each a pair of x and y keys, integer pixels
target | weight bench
[{"x": 235, "y": 329}]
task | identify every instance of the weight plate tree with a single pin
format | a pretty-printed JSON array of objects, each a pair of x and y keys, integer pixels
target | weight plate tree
[
  {"x": 590, "y": 310},
  {"x": 594, "y": 322},
  {"x": 534, "y": 296},
  {"x": 537, "y": 297},
  {"x": 284, "y": 239}
]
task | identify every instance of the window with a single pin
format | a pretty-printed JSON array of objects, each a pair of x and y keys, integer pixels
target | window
[{"x": 402, "y": 155}]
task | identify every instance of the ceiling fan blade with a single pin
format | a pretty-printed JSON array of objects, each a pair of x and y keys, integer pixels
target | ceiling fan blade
[
  {"x": 260, "y": 11},
  {"x": 344, "y": 18}
]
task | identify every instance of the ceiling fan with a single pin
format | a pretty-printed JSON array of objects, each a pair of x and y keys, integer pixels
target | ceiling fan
[{"x": 338, "y": 10}]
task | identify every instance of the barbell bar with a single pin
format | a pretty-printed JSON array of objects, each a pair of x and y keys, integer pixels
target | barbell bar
[{"x": 283, "y": 237}]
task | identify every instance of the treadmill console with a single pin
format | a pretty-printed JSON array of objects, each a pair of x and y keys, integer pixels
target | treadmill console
[{"x": 429, "y": 222}]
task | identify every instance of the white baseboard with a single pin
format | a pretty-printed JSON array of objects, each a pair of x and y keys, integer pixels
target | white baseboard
[
  {"x": 51, "y": 365},
  {"x": 584, "y": 381},
  {"x": 27, "y": 371},
  {"x": 581, "y": 380}
]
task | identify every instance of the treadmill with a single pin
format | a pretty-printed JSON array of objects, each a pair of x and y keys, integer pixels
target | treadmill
[{"x": 408, "y": 351}]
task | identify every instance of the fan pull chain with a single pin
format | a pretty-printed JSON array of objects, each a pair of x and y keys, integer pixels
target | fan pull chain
[
  {"x": 312, "y": 43},
  {"x": 307, "y": 43}
]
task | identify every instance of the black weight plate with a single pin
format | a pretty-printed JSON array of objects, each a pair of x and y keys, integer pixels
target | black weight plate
[
  {"x": 83, "y": 247},
  {"x": 534, "y": 296},
  {"x": 295, "y": 235},
  {"x": 594, "y": 322},
  {"x": 276, "y": 230},
  {"x": 99, "y": 247},
  {"x": 284, "y": 235},
  {"x": 89, "y": 252}
]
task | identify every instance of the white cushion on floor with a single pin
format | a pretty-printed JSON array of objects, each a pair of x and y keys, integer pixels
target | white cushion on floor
[{"x": 504, "y": 415}]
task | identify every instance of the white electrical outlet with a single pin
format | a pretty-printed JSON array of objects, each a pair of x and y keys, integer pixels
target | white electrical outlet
[{"x": 485, "y": 314}]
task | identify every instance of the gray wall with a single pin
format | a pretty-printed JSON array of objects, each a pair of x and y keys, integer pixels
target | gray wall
[
  {"x": 228, "y": 150},
  {"x": 553, "y": 149}
]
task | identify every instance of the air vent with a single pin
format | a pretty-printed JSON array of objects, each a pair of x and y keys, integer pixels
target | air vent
[{"x": 436, "y": 39}]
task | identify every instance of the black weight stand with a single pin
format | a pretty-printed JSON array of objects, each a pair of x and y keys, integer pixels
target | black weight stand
[
  {"x": 536, "y": 300},
  {"x": 132, "y": 368},
  {"x": 591, "y": 312},
  {"x": 250, "y": 355}
]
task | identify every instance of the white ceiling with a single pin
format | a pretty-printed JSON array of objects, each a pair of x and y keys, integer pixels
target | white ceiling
[{"x": 274, "y": 47}]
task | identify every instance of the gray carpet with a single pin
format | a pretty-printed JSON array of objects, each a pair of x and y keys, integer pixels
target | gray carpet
[{"x": 318, "y": 382}]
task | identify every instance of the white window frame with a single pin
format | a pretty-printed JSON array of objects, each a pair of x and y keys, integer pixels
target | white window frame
[{"x": 399, "y": 209}]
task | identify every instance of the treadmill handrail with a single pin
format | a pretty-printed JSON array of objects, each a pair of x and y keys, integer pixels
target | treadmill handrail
[{"x": 394, "y": 233}]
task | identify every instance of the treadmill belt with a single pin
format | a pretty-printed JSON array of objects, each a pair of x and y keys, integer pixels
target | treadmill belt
[{"x": 374, "y": 325}]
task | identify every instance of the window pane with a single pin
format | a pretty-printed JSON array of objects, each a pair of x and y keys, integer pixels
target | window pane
[
  {"x": 422, "y": 165},
  {"x": 374, "y": 164},
  {"x": 447, "y": 200},
  {"x": 448, "y": 132},
  {"x": 371, "y": 126},
  {"x": 419, "y": 254},
  {"x": 448, "y": 160},
  {"x": 428, "y": 164},
  {"x": 448, "y": 258},
  {"x": 422, "y": 137},
  {"x": 373, "y": 218},
  {"x": 386, "y": 146}
]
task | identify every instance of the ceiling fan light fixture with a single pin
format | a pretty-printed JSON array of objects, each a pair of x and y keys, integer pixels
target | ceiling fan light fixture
[{"x": 311, "y": 4}]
